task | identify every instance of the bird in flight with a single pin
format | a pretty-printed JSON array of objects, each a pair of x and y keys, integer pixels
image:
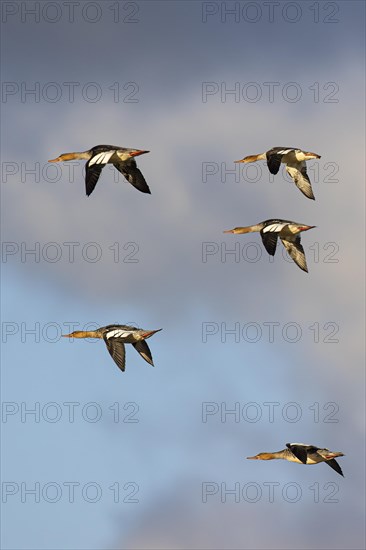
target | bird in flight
[
  {"x": 100, "y": 155},
  {"x": 287, "y": 231},
  {"x": 115, "y": 338},
  {"x": 295, "y": 162},
  {"x": 303, "y": 454}
]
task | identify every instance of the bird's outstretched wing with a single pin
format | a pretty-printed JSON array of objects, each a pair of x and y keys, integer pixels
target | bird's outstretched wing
[
  {"x": 274, "y": 157},
  {"x": 92, "y": 174},
  {"x": 299, "y": 451},
  {"x": 117, "y": 350},
  {"x": 133, "y": 175},
  {"x": 273, "y": 161},
  {"x": 144, "y": 351},
  {"x": 334, "y": 464},
  {"x": 269, "y": 241},
  {"x": 297, "y": 171},
  {"x": 296, "y": 251}
]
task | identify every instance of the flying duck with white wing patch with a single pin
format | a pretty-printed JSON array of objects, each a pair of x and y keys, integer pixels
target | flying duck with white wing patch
[
  {"x": 287, "y": 231},
  {"x": 100, "y": 155},
  {"x": 295, "y": 161},
  {"x": 303, "y": 454},
  {"x": 115, "y": 338}
]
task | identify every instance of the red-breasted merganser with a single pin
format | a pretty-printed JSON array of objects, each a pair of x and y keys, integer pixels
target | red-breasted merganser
[
  {"x": 100, "y": 155},
  {"x": 303, "y": 454},
  {"x": 116, "y": 336},
  {"x": 294, "y": 159},
  {"x": 287, "y": 231}
]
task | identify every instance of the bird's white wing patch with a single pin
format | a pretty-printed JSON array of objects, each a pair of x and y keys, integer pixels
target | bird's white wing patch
[
  {"x": 284, "y": 152},
  {"x": 118, "y": 333},
  {"x": 274, "y": 227},
  {"x": 101, "y": 158}
]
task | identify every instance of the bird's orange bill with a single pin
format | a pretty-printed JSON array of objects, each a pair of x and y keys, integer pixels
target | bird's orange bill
[
  {"x": 240, "y": 230},
  {"x": 67, "y": 156},
  {"x": 250, "y": 158},
  {"x": 307, "y": 227},
  {"x": 333, "y": 455},
  {"x": 149, "y": 333},
  {"x": 137, "y": 153},
  {"x": 82, "y": 334}
]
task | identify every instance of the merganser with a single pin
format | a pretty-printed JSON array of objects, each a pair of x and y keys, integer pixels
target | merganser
[
  {"x": 294, "y": 159},
  {"x": 115, "y": 336},
  {"x": 303, "y": 454},
  {"x": 100, "y": 155},
  {"x": 288, "y": 232}
]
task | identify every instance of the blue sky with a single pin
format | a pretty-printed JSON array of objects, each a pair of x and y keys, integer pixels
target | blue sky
[{"x": 164, "y": 61}]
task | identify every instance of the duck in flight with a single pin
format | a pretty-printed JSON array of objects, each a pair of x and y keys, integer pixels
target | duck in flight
[
  {"x": 115, "y": 337},
  {"x": 287, "y": 231},
  {"x": 303, "y": 454},
  {"x": 100, "y": 155},
  {"x": 295, "y": 161}
]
